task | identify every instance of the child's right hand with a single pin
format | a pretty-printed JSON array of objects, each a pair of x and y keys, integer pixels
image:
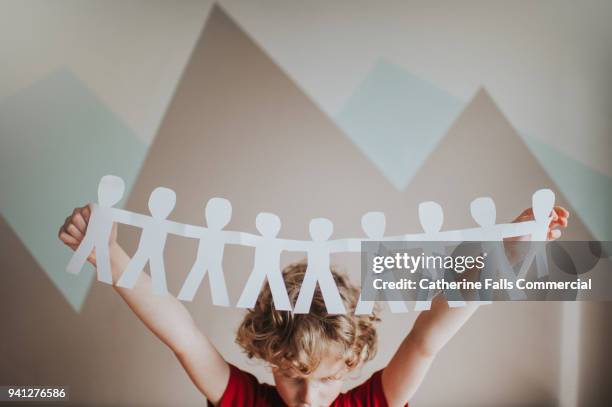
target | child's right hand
[{"x": 74, "y": 228}]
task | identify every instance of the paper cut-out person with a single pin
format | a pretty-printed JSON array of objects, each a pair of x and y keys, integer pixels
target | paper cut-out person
[
  {"x": 209, "y": 259},
  {"x": 542, "y": 203},
  {"x": 491, "y": 234},
  {"x": 373, "y": 225},
  {"x": 318, "y": 270},
  {"x": 150, "y": 249},
  {"x": 267, "y": 262},
  {"x": 110, "y": 191},
  {"x": 431, "y": 217}
]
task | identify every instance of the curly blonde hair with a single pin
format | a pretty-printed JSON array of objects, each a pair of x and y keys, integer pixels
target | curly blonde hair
[{"x": 299, "y": 341}]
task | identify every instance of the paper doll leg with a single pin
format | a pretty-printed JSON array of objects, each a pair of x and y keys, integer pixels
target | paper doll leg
[
  {"x": 453, "y": 297},
  {"x": 423, "y": 305},
  {"x": 217, "y": 287},
  {"x": 103, "y": 264},
  {"x": 193, "y": 281},
  {"x": 279, "y": 291},
  {"x": 158, "y": 275},
  {"x": 364, "y": 307},
  {"x": 506, "y": 272},
  {"x": 251, "y": 291},
  {"x": 397, "y": 307},
  {"x": 76, "y": 263},
  {"x": 484, "y": 294},
  {"x": 527, "y": 262},
  {"x": 424, "y": 296},
  {"x": 541, "y": 262},
  {"x": 132, "y": 271},
  {"x": 302, "y": 304},
  {"x": 395, "y": 301},
  {"x": 331, "y": 295}
]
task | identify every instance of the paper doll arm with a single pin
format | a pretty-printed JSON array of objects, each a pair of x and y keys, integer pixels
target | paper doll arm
[
  {"x": 129, "y": 218},
  {"x": 246, "y": 239},
  {"x": 184, "y": 230},
  {"x": 353, "y": 245},
  {"x": 451, "y": 236},
  {"x": 295, "y": 245},
  {"x": 473, "y": 234},
  {"x": 406, "y": 238},
  {"x": 343, "y": 245},
  {"x": 240, "y": 238},
  {"x": 518, "y": 229},
  {"x": 431, "y": 331}
]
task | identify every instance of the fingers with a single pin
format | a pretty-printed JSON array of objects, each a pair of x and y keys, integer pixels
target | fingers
[
  {"x": 63, "y": 227},
  {"x": 75, "y": 226},
  {"x": 559, "y": 217},
  {"x": 562, "y": 222},
  {"x": 74, "y": 231},
  {"x": 86, "y": 212},
  {"x": 554, "y": 234},
  {"x": 79, "y": 221},
  {"x": 561, "y": 211},
  {"x": 66, "y": 238}
]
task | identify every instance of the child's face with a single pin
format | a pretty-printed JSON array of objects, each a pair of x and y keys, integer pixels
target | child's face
[{"x": 318, "y": 389}]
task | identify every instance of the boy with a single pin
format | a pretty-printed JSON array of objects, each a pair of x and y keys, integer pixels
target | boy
[{"x": 310, "y": 354}]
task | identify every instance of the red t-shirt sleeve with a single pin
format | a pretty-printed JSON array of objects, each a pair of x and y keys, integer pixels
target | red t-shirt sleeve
[
  {"x": 368, "y": 394},
  {"x": 243, "y": 389}
]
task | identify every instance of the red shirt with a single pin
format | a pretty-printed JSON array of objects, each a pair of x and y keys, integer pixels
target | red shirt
[{"x": 243, "y": 389}]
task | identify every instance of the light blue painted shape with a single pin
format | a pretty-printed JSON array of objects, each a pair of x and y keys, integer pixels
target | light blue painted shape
[
  {"x": 589, "y": 191},
  {"x": 57, "y": 140},
  {"x": 397, "y": 120}
]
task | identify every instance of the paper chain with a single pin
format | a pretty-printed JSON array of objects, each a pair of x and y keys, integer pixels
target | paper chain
[{"x": 268, "y": 247}]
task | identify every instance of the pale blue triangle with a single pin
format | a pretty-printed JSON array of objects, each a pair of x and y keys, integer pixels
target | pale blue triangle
[
  {"x": 58, "y": 139},
  {"x": 589, "y": 191},
  {"x": 397, "y": 120}
]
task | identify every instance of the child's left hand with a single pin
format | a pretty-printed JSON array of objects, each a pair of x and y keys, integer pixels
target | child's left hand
[{"x": 559, "y": 220}]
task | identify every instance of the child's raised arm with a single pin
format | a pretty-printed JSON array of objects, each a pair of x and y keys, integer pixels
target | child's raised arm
[
  {"x": 164, "y": 315},
  {"x": 434, "y": 328}
]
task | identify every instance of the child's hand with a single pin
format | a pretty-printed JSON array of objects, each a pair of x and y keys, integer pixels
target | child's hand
[
  {"x": 559, "y": 219},
  {"x": 74, "y": 228}
]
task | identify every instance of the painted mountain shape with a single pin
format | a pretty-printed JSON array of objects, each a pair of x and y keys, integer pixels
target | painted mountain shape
[
  {"x": 58, "y": 138},
  {"x": 397, "y": 119}
]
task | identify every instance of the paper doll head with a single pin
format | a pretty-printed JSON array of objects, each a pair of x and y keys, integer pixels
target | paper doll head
[
  {"x": 542, "y": 203},
  {"x": 321, "y": 229},
  {"x": 373, "y": 225},
  {"x": 110, "y": 190},
  {"x": 268, "y": 224},
  {"x": 218, "y": 213},
  {"x": 431, "y": 216},
  {"x": 161, "y": 202},
  {"x": 483, "y": 211}
]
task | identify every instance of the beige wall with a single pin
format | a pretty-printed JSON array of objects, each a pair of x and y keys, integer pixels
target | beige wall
[{"x": 238, "y": 127}]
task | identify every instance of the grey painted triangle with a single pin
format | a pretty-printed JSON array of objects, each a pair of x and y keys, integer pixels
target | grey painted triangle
[{"x": 483, "y": 155}]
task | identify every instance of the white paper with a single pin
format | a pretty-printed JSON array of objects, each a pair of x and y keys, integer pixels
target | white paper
[{"x": 212, "y": 238}]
